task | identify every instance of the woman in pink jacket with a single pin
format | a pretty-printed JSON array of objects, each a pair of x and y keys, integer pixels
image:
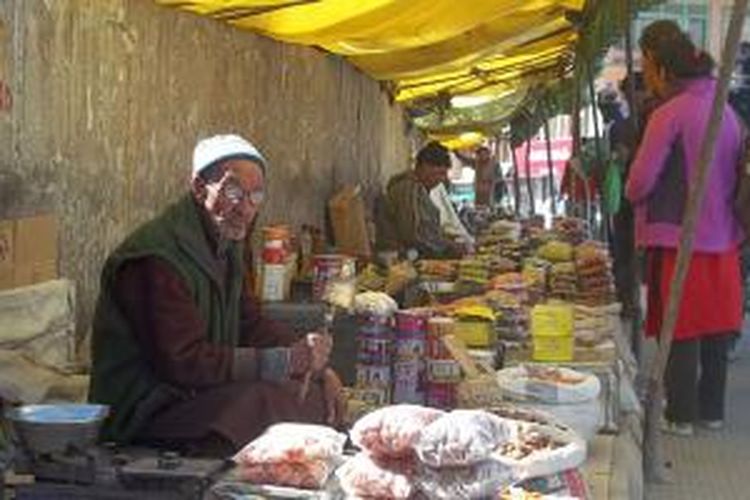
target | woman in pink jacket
[{"x": 661, "y": 177}]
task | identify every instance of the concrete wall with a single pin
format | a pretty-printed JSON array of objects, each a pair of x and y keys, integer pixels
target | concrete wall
[{"x": 109, "y": 97}]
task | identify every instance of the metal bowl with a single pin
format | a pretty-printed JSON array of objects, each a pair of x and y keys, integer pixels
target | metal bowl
[{"x": 56, "y": 428}]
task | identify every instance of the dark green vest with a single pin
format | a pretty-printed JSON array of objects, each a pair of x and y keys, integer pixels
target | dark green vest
[{"x": 120, "y": 376}]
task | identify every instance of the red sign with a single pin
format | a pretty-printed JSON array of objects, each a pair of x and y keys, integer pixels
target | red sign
[{"x": 538, "y": 166}]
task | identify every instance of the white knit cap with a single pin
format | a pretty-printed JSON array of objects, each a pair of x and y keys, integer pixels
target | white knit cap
[{"x": 223, "y": 147}]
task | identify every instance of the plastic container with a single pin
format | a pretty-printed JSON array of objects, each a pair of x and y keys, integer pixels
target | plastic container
[
  {"x": 443, "y": 371},
  {"x": 476, "y": 333},
  {"x": 408, "y": 382},
  {"x": 552, "y": 332},
  {"x": 553, "y": 348},
  {"x": 276, "y": 282},
  {"x": 410, "y": 349}
]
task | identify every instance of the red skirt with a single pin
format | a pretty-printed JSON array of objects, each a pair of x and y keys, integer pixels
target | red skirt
[{"x": 712, "y": 299}]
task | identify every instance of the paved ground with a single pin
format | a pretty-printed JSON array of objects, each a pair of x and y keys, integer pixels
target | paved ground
[{"x": 715, "y": 465}]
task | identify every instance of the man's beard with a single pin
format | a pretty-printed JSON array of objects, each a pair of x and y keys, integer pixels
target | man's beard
[{"x": 233, "y": 231}]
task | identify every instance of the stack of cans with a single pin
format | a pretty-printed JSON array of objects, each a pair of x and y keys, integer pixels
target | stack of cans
[
  {"x": 443, "y": 372},
  {"x": 375, "y": 359},
  {"x": 409, "y": 367}
]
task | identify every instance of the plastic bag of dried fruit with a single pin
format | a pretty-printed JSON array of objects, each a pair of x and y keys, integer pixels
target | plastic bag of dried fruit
[
  {"x": 363, "y": 476},
  {"x": 297, "y": 455},
  {"x": 394, "y": 430},
  {"x": 536, "y": 450},
  {"x": 311, "y": 475},
  {"x": 481, "y": 480},
  {"x": 461, "y": 438}
]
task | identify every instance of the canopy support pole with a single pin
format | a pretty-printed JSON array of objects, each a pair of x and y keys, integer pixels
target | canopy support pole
[
  {"x": 550, "y": 164},
  {"x": 653, "y": 463},
  {"x": 529, "y": 183},
  {"x": 516, "y": 180},
  {"x": 630, "y": 255},
  {"x": 597, "y": 146},
  {"x": 629, "y": 63},
  {"x": 575, "y": 132}
]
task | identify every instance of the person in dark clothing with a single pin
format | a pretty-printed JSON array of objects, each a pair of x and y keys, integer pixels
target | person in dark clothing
[
  {"x": 180, "y": 351},
  {"x": 408, "y": 219},
  {"x": 739, "y": 94},
  {"x": 623, "y": 141}
]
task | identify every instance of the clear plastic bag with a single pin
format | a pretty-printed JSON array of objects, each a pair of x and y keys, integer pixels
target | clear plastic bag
[
  {"x": 481, "y": 480},
  {"x": 363, "y": 476},
  {"x": 295, "y": 455},
  {"x": 294, "y": 443},
  {"x": 461, "y": 438},
  {"x": 394, "y": 430},
  {"x": 310, "y": 475}
]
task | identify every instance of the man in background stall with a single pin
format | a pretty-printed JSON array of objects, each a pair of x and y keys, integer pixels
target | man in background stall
[
  {"x": 180, "y": 351},
  {"x": 489, "y": 184},
  {"x": 408, "y": 222}
]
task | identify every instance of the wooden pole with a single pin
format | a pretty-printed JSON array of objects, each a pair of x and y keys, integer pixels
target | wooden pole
[
  {"x": 630, "y": 254},
  {"x": 498, "y": 174},
  {"x": 629, "y": 63},
  {"x": 527, "y": 167},
  {"x": 575, "y": 132},
  {"x": 597, "y": 146},
  {"x": 516, "y": 181},
  {"x": 550, "y": 164},
  {"x": 653, "y": 447}
]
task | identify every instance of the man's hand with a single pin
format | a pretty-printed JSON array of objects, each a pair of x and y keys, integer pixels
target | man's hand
[
  {"x": 320, "y": 350},
  {"x": 311, "y": 353},
  {"x": 334, "y": 398}
]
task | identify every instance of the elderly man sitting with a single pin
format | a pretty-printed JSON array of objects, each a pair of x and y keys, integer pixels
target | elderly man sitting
[{"x": 180, "y": 351}]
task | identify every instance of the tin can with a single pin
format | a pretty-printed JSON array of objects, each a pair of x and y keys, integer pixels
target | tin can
[
  {"x": 375, "y": 330},
  {"x": 373, "y": 376},
  {"x": 374, "y": 350},
  {"x": 374, "y": 320},
  {"x": 443, "y": 371},
  {"x": 411, "y": 322},
  {"x": 410, "y": 349},
  {"x": 375, "y": 397},
  {"x": 441, "y": 396},
  {"x": 408, "y": 383},
  {"x": 436, "y": 348}
]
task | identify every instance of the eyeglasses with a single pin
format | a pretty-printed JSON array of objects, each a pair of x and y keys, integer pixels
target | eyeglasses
[{"x": 236, "y": 195}]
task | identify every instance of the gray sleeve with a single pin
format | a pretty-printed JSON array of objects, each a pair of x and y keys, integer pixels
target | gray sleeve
[{"x": 272, "y": 364}]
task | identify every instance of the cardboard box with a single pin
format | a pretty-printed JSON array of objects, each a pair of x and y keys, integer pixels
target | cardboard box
[
  {"x": 36, "y": 239},
  {"x": 28, "y": 251}
]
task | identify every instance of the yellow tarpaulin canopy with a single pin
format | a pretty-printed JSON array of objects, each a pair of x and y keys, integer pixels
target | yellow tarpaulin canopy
[{"x": 427, "y": 49}]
